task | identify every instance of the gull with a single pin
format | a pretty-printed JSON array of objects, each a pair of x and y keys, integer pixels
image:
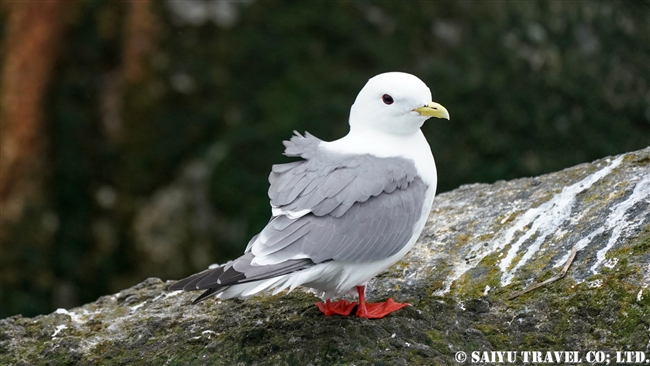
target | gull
[{"x": 345, "y": 210}]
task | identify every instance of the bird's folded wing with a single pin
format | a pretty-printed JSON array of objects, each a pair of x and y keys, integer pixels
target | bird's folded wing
[
  {"x": 352, "y": 208},
  {"x": 235, "y": 272},
  {"x": 328, "y": 183},
  {"x": 368, "y": 231},
  {"x": 361, "y": 208}
]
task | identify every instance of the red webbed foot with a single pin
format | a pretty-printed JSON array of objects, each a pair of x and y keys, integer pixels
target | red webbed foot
[
  {"x": 379, "y": 309},
  {"x": 364, "y": 310},
  {"x": 341, "y": 307}
]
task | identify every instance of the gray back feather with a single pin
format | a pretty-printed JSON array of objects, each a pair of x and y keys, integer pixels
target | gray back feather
[
  {"x": 367, "y": 231},
  {"x": 328, "y": 183},
  {"x": 363, "y": 209}
]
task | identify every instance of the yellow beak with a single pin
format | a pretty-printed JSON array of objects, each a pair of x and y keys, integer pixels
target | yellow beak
[{"x": 433, "y": 109}]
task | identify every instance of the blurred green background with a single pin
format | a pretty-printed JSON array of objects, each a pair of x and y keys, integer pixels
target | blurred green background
[{"x": 156, "y": 123}]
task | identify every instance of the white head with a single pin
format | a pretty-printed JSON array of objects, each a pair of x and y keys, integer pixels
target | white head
[{"x": 395, "y": 103}]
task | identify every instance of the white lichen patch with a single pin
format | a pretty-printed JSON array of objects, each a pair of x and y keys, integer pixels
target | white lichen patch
[
  {"x": 619, "y": 214},
  {"x": 560, "y": 234},
  {"x": 208, "y": 333},
  {"x": 595, "y": 283},
  {"x": 644, "y": 287},
  {"x": 543, "y": 221},
  {"x": 614, "y": 227},
  {"x": 581, "y": 244},
  {"x": 136, "y": 307},
  {"x": 112, "y": 313},
  {"x": 167, "y": 294},
  {"x": 610, "y": 263},
  {"x": 58, "y": 330},
  {"x": 80, "y": 317},
  {"x": 613, "y": 204}
]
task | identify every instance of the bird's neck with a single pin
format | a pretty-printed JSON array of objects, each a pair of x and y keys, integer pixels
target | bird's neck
[{"x": 379, "y": 143}]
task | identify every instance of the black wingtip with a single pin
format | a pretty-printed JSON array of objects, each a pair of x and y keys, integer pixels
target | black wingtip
[
  {"x": 181, "y": 284},
  {"x": 174, "y": 287},
  {"x": 189, "y": 283},
  {"x": 204, "y": 296}
]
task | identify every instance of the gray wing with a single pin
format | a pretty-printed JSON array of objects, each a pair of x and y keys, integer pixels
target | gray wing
[
  {"x": 235, "y": 272},
  {"x": 361, "y": 209},
  {"x": 374, "y": 229},
  {"x": 328, "y": 183}
]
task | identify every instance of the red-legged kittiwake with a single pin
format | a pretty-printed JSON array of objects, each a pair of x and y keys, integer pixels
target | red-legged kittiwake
[{"x": 345, "y": 210}]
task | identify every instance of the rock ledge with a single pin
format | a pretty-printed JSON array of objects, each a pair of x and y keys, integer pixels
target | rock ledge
[{"x": 482, "y": 244}]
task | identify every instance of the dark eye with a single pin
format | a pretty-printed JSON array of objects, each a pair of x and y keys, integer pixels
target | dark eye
[{"x": 387, "y": 99}]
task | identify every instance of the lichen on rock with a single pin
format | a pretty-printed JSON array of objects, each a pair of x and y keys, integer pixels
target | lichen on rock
[{"x": 482, "y": 243}]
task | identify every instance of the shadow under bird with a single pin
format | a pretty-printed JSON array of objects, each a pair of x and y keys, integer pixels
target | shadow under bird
[{"x": 346, "y": 210}]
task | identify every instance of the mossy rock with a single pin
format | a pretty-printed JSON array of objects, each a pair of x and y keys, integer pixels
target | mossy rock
[{"x": 482, "y": 244}]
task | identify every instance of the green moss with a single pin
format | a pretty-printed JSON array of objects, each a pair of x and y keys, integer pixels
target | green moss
[
  {"x": 542, "y": 200},
  {"x": 506, "y": 219},
  {"x": 637, "y": 160},
  {"x": 588, "y": 198},
  {"x": 287, "y": 329},
  {"x": 641, "y": 245},
  {"x": 437, "y": 342},
  {"x": 462, "y": 239},
  {"x": 437, "y": 278},
  {"x": 472, "y": 285},
  {"x": 565, "y": 314},
  {"x": 611, "y": 309}
]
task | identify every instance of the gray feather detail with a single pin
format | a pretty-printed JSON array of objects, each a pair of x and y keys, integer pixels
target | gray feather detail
[
  {"x": 362, "y": 209},
  {"x": 339, "y": 211},
  {"x": 310, "y": 188},
  {"x": 251, "y": 242},
  {"x": 229, "y": 275},
  {"x": 367, "y": 232},
  {"x": 298, "y": 188},
  {"x": 303, "y": 147},
  {"x": 279, "y": 242},
  {"x": 183, "y": 284},
  {"x": 239, "y": 267},
  {"x": 254, "y": 273},
  {"x": 281, "y": 234},
  {"x": 215, "y": 272},
  {"x": 326, "y": 182},
  {"x": 239, "y": 271},
  {"x": 281, "y": 222},
  {"x": 281, "y": 168}
]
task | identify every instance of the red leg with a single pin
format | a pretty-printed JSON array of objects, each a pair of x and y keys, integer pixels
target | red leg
[
  {"x": 341, "y": 307},
  {"x": 375, "y": 310}
]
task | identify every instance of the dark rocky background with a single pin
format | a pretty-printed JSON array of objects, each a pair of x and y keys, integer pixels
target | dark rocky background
[{"x": 136, "y": 137}]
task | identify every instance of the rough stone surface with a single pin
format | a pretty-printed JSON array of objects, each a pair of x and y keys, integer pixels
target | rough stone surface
[{"x": 483, "y": 243}]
